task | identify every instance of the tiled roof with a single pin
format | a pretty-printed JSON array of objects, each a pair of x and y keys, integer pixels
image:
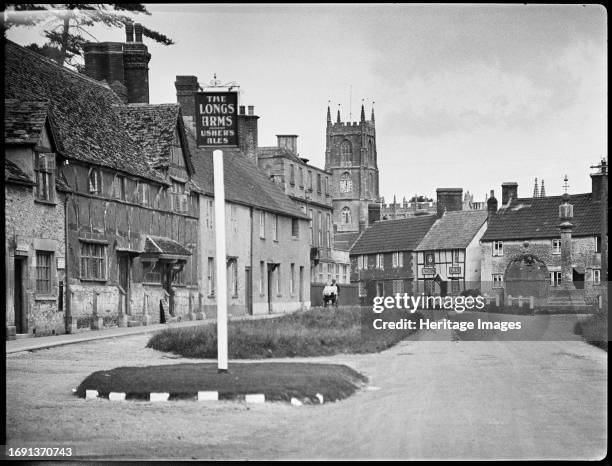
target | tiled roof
[
  {"x": 153, "y": 127},
  {"x": 85, "y": 126},
  {"x": 454, "y": 230},
  {"x": 273, "y": 151},
  {"x": 14, "y": 174},
  {"x": 345, "y": 241},
  {"x": 24, "y": 121},
  {"x": 162, "y": 245},
  {"x": 245, "y": 183},
  {"x": 393, "y": 235},
  {"x": 538, "y": 217}
]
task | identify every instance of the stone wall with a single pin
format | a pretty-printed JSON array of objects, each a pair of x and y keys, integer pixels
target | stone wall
[{"x": 32, "y": 226}]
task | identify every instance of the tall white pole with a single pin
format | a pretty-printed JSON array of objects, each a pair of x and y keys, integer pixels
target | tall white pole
[{"x": 221, "y": 261}]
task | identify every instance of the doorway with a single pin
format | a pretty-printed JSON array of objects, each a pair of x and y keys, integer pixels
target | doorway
[
  {"x": 124, "y": 282},
  {"x": 21, "y": 321},
  {"x": 301, "y": 285},
  {"x": 271, "y": 268},
  {"x": 248, "y": 290},
  {"x": 578, "y": 279}
]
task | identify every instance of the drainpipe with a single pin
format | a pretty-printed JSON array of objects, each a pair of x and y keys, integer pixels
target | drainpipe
[
  {"x": 252, "y": 297},
  {"x": 67, "y": 290}
]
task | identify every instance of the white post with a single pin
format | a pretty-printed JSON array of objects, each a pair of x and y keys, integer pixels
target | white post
[{"x": 221, "y": 259}]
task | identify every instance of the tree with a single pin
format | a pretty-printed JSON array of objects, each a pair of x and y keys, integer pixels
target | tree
[{"x": 65, "y": 25}]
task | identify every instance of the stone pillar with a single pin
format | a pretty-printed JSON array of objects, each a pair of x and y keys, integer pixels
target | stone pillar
[{"x": 566, "y": 213}]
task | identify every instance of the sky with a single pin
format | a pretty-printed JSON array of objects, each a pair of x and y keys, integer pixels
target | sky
[{"x": 466, "y": 96}]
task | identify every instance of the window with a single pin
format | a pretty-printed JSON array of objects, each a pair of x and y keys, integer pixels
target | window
[
  {"x": 309, "y": 180},
  {"x": 119, "y": 188},
  {"x": 262, "y": 224},
  {"x": 362, "y": 289},
  {"x": 598, "y": 244},
  {"x": 430, "y": 287},
  {"x": 210, "y": 213},
  {"x": 275, "y": 227},
  {"x": 398, "y": 286},
  {"x": 232, "y": 273},
  {"x": 596, "y": 277},
  {"x": 498, "y": 248},
  {"x": 95, "y": 181},
  {"x": 279, "y": 283},
  {"x": 345, "y": 273},
  {"x": 337, "y": 275},
  {"x": 400, "y": 259},
  {"x": 326, "y": 186},
  {"x": 151, "y": 272},
  {"x": 498, "y": 280},
  {"x": 320, "y": 269},
  {"x": 320, "y": 235},
  {"x": 43, "y": 271},
  {"x": 360, "y": 262},
  {"x": 301, "y": 177},
  {"x": 457, "y": 256},
  {"x": 177, "y": 191},
  {"x": 295, "y": 228},
  {"x": 211, "y": 276},
  {"x": 45, "y": 177},
  {"x": 310, "y": 226},
  {"x": 556, "y": 246},
  {"x": 395, "y": 259},
  {"x": 328, "y": 230},
  {"x": 144, "y": 194},
  {"x": 262, "y": 277},
  {"x": 291, "y": 175},
  {"x": 380, "y": 289},
  {"x": 292, "y": 279},
  {"x": 345, "y": 153},
  {"x": 380, "y": 264},
  {"x": 179, "y": 278},
  {"x": 93, "y": 261},
  {"x": 346, "y": 215},
  {"x": 345, "y": 182},
  {"x": 455, "y": 286},
  {"x": 319, "y": 183},
  {"x": 555, "y": 278}
]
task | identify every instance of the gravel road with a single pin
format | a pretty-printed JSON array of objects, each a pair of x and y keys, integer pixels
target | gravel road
[{"x": 430, "y": 399}]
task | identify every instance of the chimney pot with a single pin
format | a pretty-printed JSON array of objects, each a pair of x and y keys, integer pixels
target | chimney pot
[
  {"x": 241, "y": 110},
  {"x": 509, "y": 191},
  {"x": 449, "y": 199},
  {"x": 251, "y": 110}
]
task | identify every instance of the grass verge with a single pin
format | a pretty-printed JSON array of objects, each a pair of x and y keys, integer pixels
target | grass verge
[
  {"x": 278, "y": 381},
  {"x": 594, "y": 330},
  {"x": 318, "y": 332}
]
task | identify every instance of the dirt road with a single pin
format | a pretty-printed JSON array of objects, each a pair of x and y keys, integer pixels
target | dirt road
[{"x": 428, "y": 400}]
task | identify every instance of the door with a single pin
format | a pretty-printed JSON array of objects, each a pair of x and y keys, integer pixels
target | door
[
  {"x": 301, "y": 285},
  {"x": 21, "y": 323},
  {"x": 271, "y": 268},
  {"x": 248, "y": 290},
  {"x": 124, "y": 283}
]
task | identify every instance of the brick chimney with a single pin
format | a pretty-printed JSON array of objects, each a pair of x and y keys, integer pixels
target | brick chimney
[
  {"x": 599, "y": 182},
  {"x": 449, "y": 199},
  {"x": 288, "y": 142},
  {"x": 126, "y": 64},
  {"x": 247, "y": 132},
  {"x": 509, "y": 191},
  {"x": 186, "y": 88},
  {"x": 136, "y": 59},
  {"x": 492, "y": 204}
]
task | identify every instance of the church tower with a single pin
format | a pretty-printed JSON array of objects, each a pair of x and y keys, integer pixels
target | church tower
[{"x": 350, "y": 156}]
